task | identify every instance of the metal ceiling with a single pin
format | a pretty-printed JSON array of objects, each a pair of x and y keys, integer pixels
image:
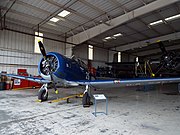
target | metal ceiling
[{"x": 86, "y": 14}]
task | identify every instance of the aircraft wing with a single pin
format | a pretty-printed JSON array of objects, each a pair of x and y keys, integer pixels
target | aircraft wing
[
  {"x": 34, "y": 79},
  {"x": 127, "y": 82}
]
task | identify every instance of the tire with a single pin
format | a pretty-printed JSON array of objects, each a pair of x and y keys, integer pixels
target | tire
[
  {"x": 43, "y": 95},
  {"x": 86, "y": 100}
]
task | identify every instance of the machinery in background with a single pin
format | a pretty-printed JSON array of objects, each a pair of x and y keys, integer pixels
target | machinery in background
[
  {"x": 92, "y": 70},
  {"x": 8, "y": 83},
  {"x": 128, "y": 70},
  {"x": 104, "y": 72},
  {"x": 167, "y": 65},
  {"x": 4, "y": 82},
  {"x": 21, "y": 83}
]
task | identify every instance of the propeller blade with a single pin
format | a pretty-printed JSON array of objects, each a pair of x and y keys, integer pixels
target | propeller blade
[
  {"x": 162, "y": 47},
  {"x": 42, "y": 49}
]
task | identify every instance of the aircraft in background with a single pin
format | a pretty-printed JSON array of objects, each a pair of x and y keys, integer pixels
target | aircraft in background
[
  {"x": 168, "y": 64},
  {"x": 169, "y": 60},
  {"x": 57, "y": 69}
]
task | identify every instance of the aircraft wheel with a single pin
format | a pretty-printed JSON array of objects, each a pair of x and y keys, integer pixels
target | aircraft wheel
[
  {"x": 86, "y": 100},
  {"x": 43, "y": 95}
]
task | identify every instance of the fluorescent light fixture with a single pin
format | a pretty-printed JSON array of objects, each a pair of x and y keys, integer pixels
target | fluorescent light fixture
[
  {"x": 54, "y": 19},
  {"x": 104, "y": 40},
  {"x": 107, "y": 37},
  {"x": 64, "y": 13},
  {"x": 172, "y": 17},
  {"x": 40, "y": 34},
  {"x": 156, "y": 22},
  {"x": 117, "y": 35}
]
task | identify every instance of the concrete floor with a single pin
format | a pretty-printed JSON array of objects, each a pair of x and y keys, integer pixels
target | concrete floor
[{"x": 131, "y": 112}]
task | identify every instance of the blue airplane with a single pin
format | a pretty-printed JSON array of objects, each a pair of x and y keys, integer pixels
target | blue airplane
[{"x": 59, "y": 70}]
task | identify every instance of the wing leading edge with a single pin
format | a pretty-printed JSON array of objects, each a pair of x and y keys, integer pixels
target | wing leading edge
[
  {"x": 34, "y": 79},
  {"x": 127, "y": 82}
]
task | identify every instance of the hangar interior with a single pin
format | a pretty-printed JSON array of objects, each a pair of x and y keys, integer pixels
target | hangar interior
[
  {"x": 88, "y": 23},
  {"x": 95, "y": 31}
]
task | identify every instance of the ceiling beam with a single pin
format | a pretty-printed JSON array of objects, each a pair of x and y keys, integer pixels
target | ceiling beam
[
  {"x": 99, "y": 29},
  {"x": 72, "y": 22},
  {"x": 69, "y": 9},
  {"x": 173, "y": 36},
  {"x": 156, "y": 51},
  {"x": 143, "y": 2},
  {"x": 153, "y": 29},
  {"x": 92, "y": 6},
  {"x": 116, "y": 3},
  {"x": 53, "y": 14},
  {"x": 137, "y": 31},
  {"x": 127, "y": 10},
  {"x": 8, "y": 9},
  {"x": 29, "y": 25},
  {"x": 35, "y": 18},
  {"x": 166, "y": 23}
]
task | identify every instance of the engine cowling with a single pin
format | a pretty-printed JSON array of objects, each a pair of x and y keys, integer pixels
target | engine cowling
[{"x": 52, "y": 65}]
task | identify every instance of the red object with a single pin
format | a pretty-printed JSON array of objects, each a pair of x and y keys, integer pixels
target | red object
[
  {"x": 21, "y": 83},
  {"x": 22, "y": 72},
  {"x": 35, "y": 84},
  {"x": 92, "y": 70},
  {"x": 8, "y": 86}
]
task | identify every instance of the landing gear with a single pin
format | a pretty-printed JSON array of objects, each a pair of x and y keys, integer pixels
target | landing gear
[
  {"x": 86, "y": 100},
  {"x": 43, "y": 93}
]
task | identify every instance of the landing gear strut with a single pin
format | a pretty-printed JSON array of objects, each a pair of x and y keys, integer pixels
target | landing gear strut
[
  {"x": 43, "y": 93},
  {"x": 86, "y": 101}
]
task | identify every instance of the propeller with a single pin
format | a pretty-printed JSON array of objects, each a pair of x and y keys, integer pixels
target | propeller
[
  {"x": 168, "y": 60},
  {"x": 48, "y": 64},
  {"x": 162, "y": 47},
  {"x": 42, "y": 49}
]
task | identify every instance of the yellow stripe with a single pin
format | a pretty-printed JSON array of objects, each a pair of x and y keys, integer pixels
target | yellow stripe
[
  {"x": 65, "y": 98},
  {"x": 38, "y": 101},
  {"x": 25, "y": 88}
]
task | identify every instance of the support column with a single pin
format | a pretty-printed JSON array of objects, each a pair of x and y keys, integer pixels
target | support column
[{"x": 68, "y": 50}]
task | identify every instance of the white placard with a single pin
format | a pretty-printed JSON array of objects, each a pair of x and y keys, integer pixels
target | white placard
[
  {"x": 17, "y": 81},
  {"x": 99, "y": 96}
]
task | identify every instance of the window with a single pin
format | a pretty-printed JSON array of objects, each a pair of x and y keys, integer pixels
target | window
[
  {"x": 36, "y": 46},
  {"x": 137, "y": 59},
  {"x": 119, "y": 56},
  {"x": 90, "y": 52}
]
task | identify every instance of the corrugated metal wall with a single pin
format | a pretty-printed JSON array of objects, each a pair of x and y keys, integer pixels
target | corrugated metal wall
[
  {"x": 81, "y": 51},
  {"x": 111, "y": 56},
  {"x": 100, "y": 55},
  {"x": 17, "y": 50}
]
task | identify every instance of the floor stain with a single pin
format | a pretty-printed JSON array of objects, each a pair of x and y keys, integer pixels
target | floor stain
[{"x": 150, "y": 127}]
